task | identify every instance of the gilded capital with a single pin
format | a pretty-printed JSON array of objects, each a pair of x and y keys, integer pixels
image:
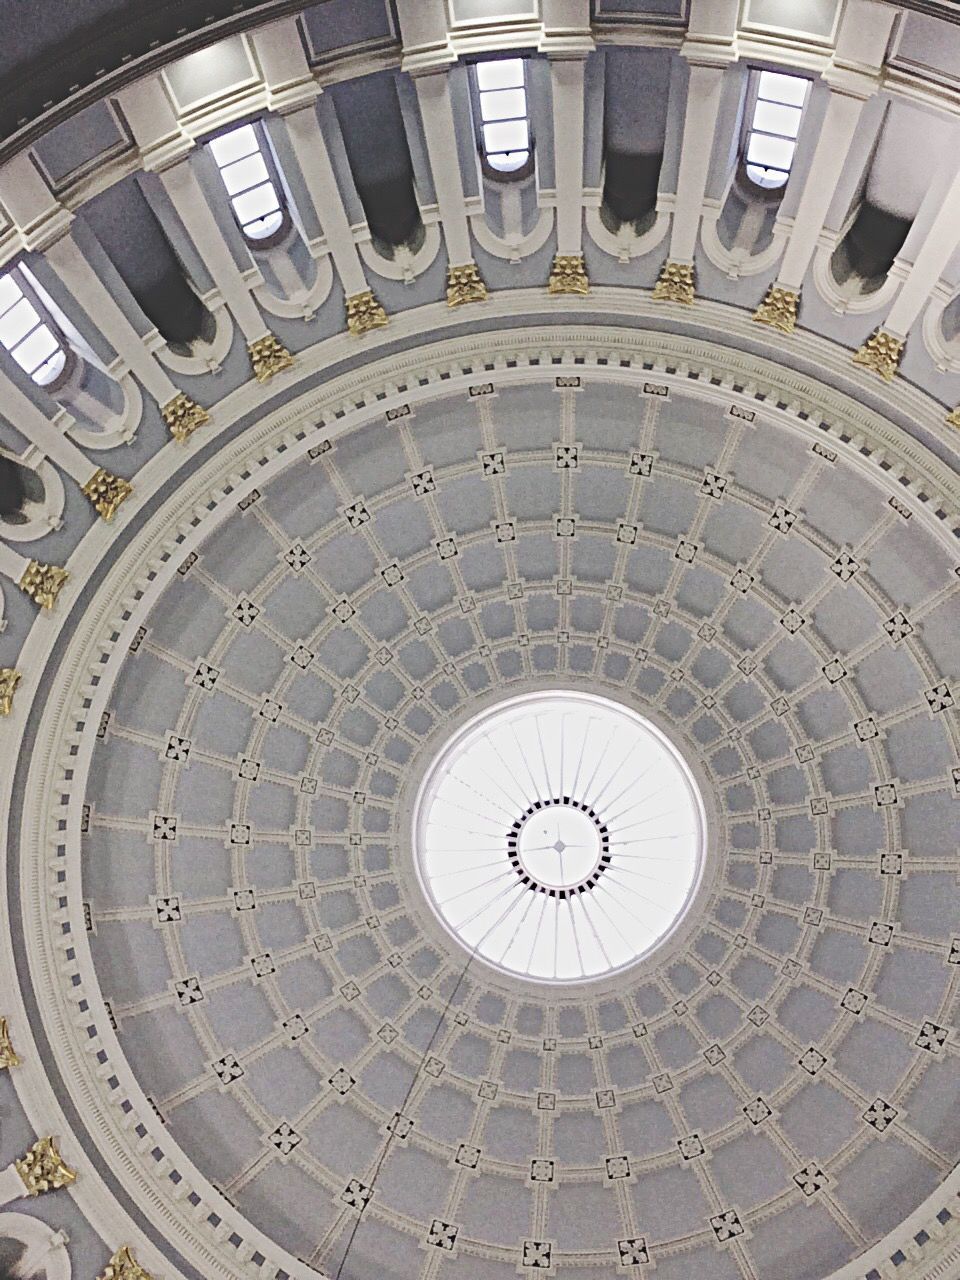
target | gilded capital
[
  {"x": 268, "y": 356},
  {"x": 364, "y": 313},
  {"x": 778, "y": 309},
  {"x": 568, "y": 274},
  {"x": 881, "y": 352},
  {"x": 106, "y": 492},
  {"x": 43, "y": 1168},
  {"x": 675, "y": 283},
  {"x": 123, "y": 1266},
  {"x": 42, "y": 582},
  {"x": 8, "y": 1055},
  {"x": 953, "y": 417},
  {"x": 465, "y": 285},
  {"x": 9, "y": 679},
  {"x": 183, "y": 415}
]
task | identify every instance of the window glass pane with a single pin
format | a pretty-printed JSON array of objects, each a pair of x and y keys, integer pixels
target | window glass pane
[
  {"x": 780, "y": 88},
  {"x": 766, "y": 150},
  {"x": 505, "y": 74},
  {"x": 17, "y": 322},
  {"x": 10, "y": 292},
  {"x": 263, "y": 227},
  {"x": 508, "y": 161},
  {"x": 50, "y": 369},
  {"x": 769, "y": 178},
  {"x": 39, "y": 346},
  {"x": 506, "y": 135},
  {"x": 504, "y": 104},
  {"x": 773, "y": 118},
  {"x": 231, "y": 146},
  {"x": 244, "y": 173},
  {"x": 256, "y": 203}
]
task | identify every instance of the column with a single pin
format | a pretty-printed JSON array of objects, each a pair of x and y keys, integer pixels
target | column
[
  {"x": 292, "y": 92},
  {"x": 181, "y": 414},
  {"x": 40, "y": 1169},
  {"x": 436, "y": 110},
  {"x": 853, "y": 77},
  {"x": 568, "y": 274},
  {"x": 42, "y": 583},
  {"x": 105, "y": 491},
  {"x": 883, "y": 349},
  {"x": 676, "y": 282}
]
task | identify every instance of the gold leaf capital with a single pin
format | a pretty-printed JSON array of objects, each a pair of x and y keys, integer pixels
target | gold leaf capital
[
  {"x": 42, "y": 1168},
  {"x": 268, "y": 356},
  {"x": 778, "y": 309},
  {"x": 364, "y": 313},
  {"x": 42, "y": 582},
  {"x": 123, "y": 1266},
  {"x": 464, "y": 285},
  {"x": 9, "y": 679},
  {"x": 8, "y": 1055},
  {"x": 675, "y": 283},
  {"x": 568, "y": 274},
  {"x": 183, "y": 415},
  {"x": 106, "y": 492},
  {"x": 881, "y": 352},
  {"x": 953, "y": 417}
]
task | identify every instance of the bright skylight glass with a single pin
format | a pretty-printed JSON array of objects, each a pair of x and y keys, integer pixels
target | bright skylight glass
[
  {"x": 503, "y": 112},
  {"x": 253, "y": 194},
  {"x": 27, "y": 335},
  {"x": 560, "y": 836},
  {"x": 772, "y": 138}
]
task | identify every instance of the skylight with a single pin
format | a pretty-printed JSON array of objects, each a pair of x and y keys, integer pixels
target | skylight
[
  {"x": 772, "y": 137},
  {"x": 504, "y": 123},
  {"x": 27, "y": 335},
  {"x": 559, "y": 836},
  {"x": 252, "y": 190}
]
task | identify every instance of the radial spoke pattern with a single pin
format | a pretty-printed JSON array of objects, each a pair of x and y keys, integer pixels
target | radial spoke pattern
[{"x": 560, "y": 836}]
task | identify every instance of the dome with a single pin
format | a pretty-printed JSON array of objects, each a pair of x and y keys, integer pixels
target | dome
[{"x": 481, "y": 759}]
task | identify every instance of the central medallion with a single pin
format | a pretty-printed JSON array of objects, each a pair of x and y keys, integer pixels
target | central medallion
[{"x": 573, "y": 861}]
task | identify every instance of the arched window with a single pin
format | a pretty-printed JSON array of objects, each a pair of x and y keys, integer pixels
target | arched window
[
  {"x": 28, "y": 333},
  {"x": 504, "y": 122},
  {"x": 251, "y": 183},
  {"x": 774, "y": 108}
]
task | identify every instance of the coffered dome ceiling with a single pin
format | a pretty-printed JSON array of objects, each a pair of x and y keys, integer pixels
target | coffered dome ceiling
[{"x": 481, "y": 763}]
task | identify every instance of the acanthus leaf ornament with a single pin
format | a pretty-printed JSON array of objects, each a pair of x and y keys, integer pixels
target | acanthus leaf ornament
[
  {"x": 42, "y": 582},
  {"x": 568, "y": 274},
  {"x": 953, "y": 417},
  {"x": 43, "y": 1168},
  {"x": 124, "y": 1266},
  {"x": 106, "y": 492},
  {"x": 8, "y": 1055},
  {"x": 881, "y": 352},
  {"x": 268, "y": 356},
  {"x": 778, "y": 309},
  {"x": 9, "y": 679},
  {"x": 364, "y": 313},
  {"x": 464, "y": 284},
  {"x": 675, "y": 283},
  {"x": 183, "y": 415}
]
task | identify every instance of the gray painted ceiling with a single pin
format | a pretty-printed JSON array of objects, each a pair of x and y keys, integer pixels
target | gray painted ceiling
[{"x": 765, "y": 1103}]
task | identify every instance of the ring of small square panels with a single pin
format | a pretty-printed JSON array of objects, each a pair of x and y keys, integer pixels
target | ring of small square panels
[
  {"x": 605, "y": 1060},
  {"x": 530, "y": 881}
]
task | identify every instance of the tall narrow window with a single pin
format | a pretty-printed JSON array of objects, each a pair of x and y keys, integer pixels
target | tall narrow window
[
  {"x": 772, "y": 135},
  {"x": 28, "y": 335},
  {"x": 504, "y": 122},
  {"x": 251, "y": 186}
]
